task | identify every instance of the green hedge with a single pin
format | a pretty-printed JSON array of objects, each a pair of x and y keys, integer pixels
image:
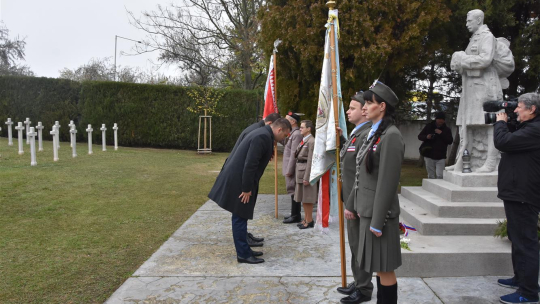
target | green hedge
[
  {"x": 147, "y": 115},
  {"x": 40, "y": 99}
]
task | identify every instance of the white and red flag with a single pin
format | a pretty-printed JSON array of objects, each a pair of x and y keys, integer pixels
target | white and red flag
[
  {"x": 270, "y": 102},
  {"x": 323, "y": 165}
]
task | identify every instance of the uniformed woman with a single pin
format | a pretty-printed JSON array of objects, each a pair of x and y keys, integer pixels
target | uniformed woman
[
  {"x": 376, "y": 202},
  {"x": 304, "y": 192}
]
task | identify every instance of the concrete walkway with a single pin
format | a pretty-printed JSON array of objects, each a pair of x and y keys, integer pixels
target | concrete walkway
[{"x": 198, "y": 265}]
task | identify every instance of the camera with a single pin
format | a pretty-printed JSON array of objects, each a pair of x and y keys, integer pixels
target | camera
[{"x": 490, "y": 107}]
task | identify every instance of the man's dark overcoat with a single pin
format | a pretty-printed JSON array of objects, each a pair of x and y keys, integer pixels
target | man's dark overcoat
[
  {"x": 246, "y": 131},
  {"x": 242, "y": 172}
]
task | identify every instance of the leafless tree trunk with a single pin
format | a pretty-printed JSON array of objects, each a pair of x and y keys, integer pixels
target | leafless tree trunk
[{"x": 206, "y": 38}]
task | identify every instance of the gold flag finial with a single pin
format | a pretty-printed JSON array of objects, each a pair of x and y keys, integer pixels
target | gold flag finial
[{"x": 331, "y": 4}]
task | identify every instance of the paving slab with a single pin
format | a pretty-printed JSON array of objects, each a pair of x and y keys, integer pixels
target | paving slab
[
  {"x": 197, "y": 264},
  {"x": 468, "y": 290}
]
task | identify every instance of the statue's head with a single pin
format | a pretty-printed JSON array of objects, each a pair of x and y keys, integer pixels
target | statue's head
[{"x": 475, "y": 19}]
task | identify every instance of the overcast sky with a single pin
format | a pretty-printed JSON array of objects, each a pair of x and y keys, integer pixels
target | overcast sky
[{"x": 68, "y": 33}]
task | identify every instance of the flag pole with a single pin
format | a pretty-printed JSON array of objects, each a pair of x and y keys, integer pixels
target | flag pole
[
  {"x": 276, "y": 43},
  {"x": 331, "y": 5}
]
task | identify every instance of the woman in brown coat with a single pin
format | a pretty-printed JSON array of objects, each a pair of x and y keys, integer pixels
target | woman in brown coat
[{"x": 304, "y": 192}]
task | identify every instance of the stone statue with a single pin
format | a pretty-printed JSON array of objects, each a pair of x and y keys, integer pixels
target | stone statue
[{"x": 484, "y": 66}]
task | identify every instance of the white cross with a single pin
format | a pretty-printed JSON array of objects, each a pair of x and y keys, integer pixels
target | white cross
[
  {"x": 32, "y": 135},
  {"x": 89, "y": 130},
  {"x": 71, "y": 124},
  {"x": 27, "y": 122},
  {"x": 20, "y": 128},
  {"x": 73, "y": 131},
  {"x": 58, "y": 135},
  {"x": 40, "y": 135},
  {"x": 103, "y": 129},
  {"x": 115, "y": 128},
  {"x": 10, "y": 134},
  {"x": 55, "y": 134}
]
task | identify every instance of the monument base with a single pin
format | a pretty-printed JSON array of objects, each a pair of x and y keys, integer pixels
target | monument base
[{"x": 455, "y": 218}]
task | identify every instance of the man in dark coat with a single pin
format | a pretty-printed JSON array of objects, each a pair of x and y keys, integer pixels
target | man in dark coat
[
  {"x": 361, "y": 289},
  {"x": 436, "y": 137},
  {"x": 268, "y": 120},
  {"x": 518, "y": 180},
  {"x": 237, "y": 184}
]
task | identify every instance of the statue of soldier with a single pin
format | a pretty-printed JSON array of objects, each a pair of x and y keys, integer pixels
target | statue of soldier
[{"x": 484, "y": 66}]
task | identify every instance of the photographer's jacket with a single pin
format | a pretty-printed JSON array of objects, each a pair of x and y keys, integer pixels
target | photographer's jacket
[
  {"x": 519, "y": 170},
  {"x": 438, "y": 143}
]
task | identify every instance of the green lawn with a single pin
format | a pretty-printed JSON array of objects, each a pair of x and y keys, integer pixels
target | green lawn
[{"x": 73, "y": 231}]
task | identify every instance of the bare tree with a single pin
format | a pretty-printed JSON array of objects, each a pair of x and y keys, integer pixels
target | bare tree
[
  {"x": 11, "y": 51},
  {"x": 206, "y": 38}
]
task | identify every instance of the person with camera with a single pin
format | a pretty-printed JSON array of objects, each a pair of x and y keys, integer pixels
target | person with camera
[
  {"x": 519, "y": 177},
  {"x": 436, "y": 137}
]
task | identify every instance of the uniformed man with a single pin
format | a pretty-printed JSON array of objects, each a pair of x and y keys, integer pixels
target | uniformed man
[
  {"x": 361, "y": 288},
  {"x": 289, "y": 167},
  {"x": 237, "y": 185}
]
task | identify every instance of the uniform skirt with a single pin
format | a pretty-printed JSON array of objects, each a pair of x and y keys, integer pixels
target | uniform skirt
[
  {"x": 306, "y": 194},
  {"x": 379, "y": 254}
]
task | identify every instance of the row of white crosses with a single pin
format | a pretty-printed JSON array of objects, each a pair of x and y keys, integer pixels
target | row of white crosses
[{"x": 31, "y": 138}]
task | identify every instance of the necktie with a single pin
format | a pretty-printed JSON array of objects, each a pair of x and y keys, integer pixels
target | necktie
[{"x": 370, "y": 133}]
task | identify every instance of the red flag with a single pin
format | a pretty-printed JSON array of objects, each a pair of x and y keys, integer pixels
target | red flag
[{"x": 270, "y": 102}]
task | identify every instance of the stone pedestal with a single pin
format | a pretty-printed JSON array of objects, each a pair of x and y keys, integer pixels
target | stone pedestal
[
  {"x": 89, "y": 130},
  {"x": 103, "y": 130},
  {"x": 456, "y": 218},
  {"x": 20, "y": 128},
  {"x": 10, "y": 132},
  {"x": 40, "y": 135},
  {"x": 32, "y": 136}
]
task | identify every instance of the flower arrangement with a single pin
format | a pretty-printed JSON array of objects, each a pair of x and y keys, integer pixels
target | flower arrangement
[{"x": 404, "y": 231}]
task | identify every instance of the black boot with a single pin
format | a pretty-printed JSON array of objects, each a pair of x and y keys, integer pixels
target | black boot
[
  {"x": 355, "y": 298},
  {"x": 379, "y": 291},
  {"x": 295, "y": 213},
  {"x": 389, "y": 294}
]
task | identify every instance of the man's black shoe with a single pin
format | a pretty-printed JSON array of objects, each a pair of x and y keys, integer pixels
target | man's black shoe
[
  {"x": 250, "y": 260},
  {"x": 355, "y": 298},
  {"x": 252, "y": 243},
  {"x": 256, "y": 253},
  {"x": 292, "y": 219},
  {"x": 347, "y": 290},
  {"x": 256, "y": 239}
]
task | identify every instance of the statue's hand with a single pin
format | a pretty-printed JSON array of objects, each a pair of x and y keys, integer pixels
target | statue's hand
[{"x": 455, "y": 63}]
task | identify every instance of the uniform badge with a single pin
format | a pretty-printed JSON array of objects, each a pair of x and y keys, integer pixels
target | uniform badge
[
  {"x": 353, "y": 140},
  {"x": 375, "y": 145},
  {"x": 351, "y": 149}
]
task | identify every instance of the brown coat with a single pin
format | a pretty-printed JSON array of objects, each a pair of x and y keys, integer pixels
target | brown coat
[
  {"x": 305, "y": 194},
  {"x": 289, "y": 162}
]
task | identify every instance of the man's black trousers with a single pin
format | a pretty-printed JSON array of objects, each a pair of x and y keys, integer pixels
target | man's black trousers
[{"x": 522, "y": 232}]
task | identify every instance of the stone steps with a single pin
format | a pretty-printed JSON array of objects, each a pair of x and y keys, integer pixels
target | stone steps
[
  {"x": 438, "y": 206},
  {"x": 455, "y": 256},
  {"x": 456, "y": 218},
  {"x": 429, "y": 224},
  {"x": 455, "y": 193}
]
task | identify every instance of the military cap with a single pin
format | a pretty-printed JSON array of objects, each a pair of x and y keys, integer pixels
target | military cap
[
  {"x": 294, "y": 116},
  {"x": 384, "y": 92},
  {"x": 359, "y": 96}
]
